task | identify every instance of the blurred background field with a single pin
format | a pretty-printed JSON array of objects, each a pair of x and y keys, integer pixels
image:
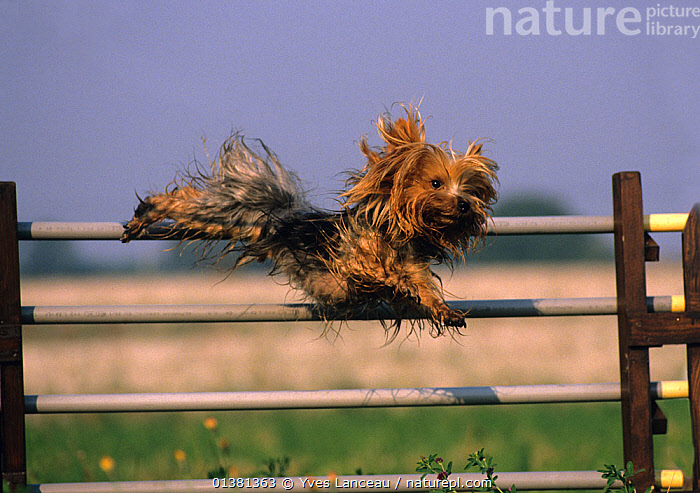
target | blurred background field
[{"x": 270, "y": 356}]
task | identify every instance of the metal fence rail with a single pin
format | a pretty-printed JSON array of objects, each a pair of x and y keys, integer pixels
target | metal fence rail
[
  {"x": 501, "y": 226},
  {"x": 123, "y": 314},
  {"x": 343, "y": 398}
]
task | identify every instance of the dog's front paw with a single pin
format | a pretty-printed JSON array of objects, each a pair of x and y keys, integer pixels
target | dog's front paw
[
  {"x": 409, "y": 290},
  {"x": 454, "y": 318},
  {"x": 450, "y": 318}
]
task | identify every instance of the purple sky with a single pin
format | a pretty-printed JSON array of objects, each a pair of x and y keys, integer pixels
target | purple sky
[{"x": 99, "y": 100}]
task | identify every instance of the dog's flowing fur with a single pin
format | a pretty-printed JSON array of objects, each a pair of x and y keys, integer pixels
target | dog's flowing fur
[{"x": 413, "y": 205}]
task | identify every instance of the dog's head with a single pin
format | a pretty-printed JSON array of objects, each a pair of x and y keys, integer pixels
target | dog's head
[{"x": 410, "y": 189}]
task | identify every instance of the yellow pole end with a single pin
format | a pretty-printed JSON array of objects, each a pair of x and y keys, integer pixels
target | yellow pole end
[
  {"x": 678, "y": 303},
  {"x": 665, "y": 222},
  {"x": 673, "y": 389},
  {"x": 671, "y": 478}
]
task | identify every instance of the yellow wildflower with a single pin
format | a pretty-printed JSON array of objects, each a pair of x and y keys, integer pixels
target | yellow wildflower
[{"x": 106, "y": 463}]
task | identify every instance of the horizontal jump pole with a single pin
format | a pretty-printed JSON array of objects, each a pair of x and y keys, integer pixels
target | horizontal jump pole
[
  {"x": 523, "y": 481},
  {"x": 499, "y": 226},
  {"x": 340, "y": 398},
  {"x": 104, "y": 314}
]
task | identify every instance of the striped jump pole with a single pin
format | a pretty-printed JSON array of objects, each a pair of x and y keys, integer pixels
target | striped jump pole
[
  {"x": 531, "y": 225},
  {"x": 341, "y": 398}
]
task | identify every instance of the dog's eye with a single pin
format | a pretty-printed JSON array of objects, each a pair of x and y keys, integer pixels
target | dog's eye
[{"x": 436, "y": 184}]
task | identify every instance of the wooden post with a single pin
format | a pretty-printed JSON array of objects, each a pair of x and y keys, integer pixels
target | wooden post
[
  {"x": 12, "y": 445},
  {"x": 691, "y": 282},
  {"x": 637, "y": 429},
  {"x": 639, "y": 330}
]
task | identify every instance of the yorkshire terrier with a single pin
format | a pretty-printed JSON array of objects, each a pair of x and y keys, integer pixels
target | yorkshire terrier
[{"x": 413, "y": 205}]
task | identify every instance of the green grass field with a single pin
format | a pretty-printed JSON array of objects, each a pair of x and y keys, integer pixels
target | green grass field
[{"x": 319, "y": 442}]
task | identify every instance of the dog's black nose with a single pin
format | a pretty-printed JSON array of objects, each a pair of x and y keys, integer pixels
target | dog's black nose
[{"x": 463, "y": 206}]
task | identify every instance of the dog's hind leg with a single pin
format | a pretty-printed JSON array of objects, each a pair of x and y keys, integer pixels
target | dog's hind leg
[{"x": 179, "y": 204}]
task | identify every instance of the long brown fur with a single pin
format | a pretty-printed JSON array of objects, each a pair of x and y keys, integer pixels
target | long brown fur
[{"x": 413, "y": 205}]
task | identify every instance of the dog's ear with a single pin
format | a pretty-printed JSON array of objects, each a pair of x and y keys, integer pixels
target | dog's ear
[
  {"x": 404, "y": 130},
  {"x": 373, "y": 157},
  {"x": 474, "y": 149}
]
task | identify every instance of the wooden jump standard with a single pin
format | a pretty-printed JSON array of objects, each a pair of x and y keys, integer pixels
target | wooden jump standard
[{"x": 640, "y": 330}]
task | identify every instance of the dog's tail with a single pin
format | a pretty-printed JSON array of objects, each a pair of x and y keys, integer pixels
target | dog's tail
[{"x": 243, "y": 198}]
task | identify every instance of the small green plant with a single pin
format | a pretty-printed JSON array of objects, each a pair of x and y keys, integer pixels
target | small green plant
[
  {"x": 219, "y": 472},
  {"x": 276, "y": 467},
  {"x": 484, "y": 464},
  {"x": 434, "y": 464},
  {"x": 612, "y": 474},
  {"x": 479, "y": 460},
  {"x": 220, "y": 446}
]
